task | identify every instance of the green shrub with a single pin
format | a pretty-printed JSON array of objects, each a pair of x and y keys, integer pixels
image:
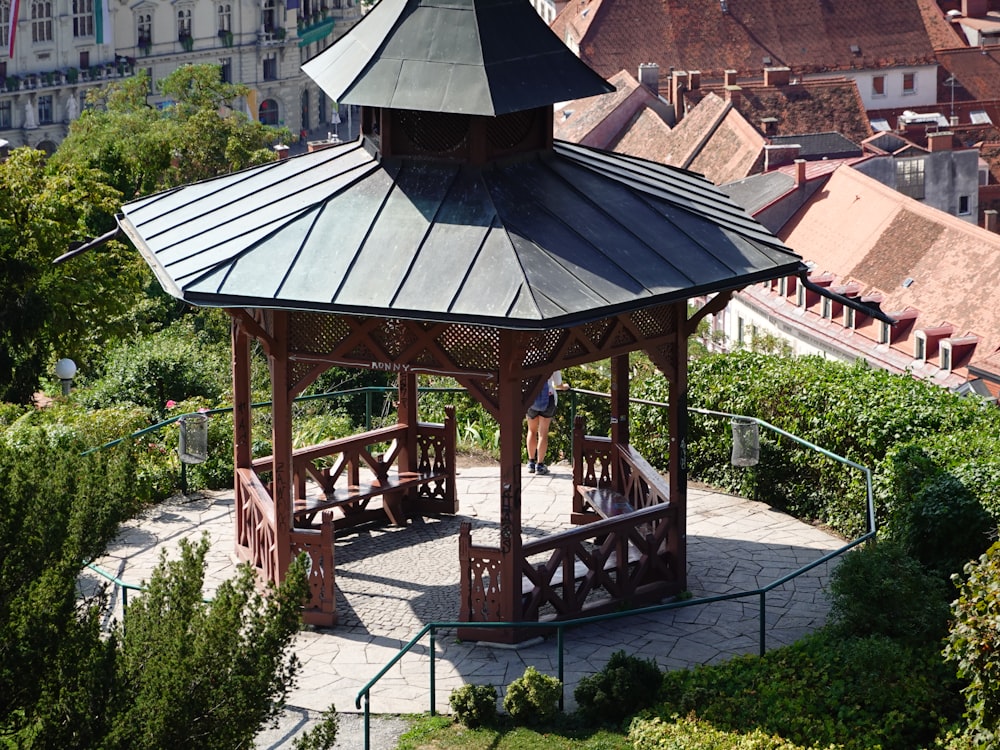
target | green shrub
[
  {"x": 881, "y": 590},
  {"x": 533, "y": 697},
  {"x": 974, "y": 645},
  {"x": 859, "y": 693},
  {"x": 690, "y": 733},
  {"x": 625, "y": 686},
  {"x": 474, "y": 705}
]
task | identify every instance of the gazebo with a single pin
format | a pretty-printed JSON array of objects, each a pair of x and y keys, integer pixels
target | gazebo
[{"x": 456, "y": 237}]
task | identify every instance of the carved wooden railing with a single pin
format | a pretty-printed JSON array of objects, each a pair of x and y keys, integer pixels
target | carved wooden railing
[{"x": 321, "y": 609}]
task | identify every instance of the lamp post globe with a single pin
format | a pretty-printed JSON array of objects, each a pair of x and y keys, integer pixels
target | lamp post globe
[{"x": 65, "y": 370}]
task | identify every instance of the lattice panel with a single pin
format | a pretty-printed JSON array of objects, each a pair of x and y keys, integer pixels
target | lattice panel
[
  {"x": 393, "y": 336},
  {"x": 623, "y": 337},
  {"x": 315, "y": 332},
  {"x": 298, "y": 370},
  {"x": 471, "y": 347},
  {"x": 655, "y": 321},
  {"x": 597, "y": 331},
  {"x": 542, "y": 348},
  {"x": 509, "y": 130},
  {"x": 437, "y": 132}
]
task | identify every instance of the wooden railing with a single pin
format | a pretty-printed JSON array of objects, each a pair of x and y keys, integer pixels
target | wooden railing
[{"x": 363, "y": 467}]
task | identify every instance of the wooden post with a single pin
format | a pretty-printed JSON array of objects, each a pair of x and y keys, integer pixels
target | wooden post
[
  {"x": 678, "y": 420},
  {"x": 407, "y": 414},
  {"x": 281, "y": 441},
  {"x": 619, "y": 416},
  {"x": 242, "y": 453},
  {"x": 511, "y": 416}
]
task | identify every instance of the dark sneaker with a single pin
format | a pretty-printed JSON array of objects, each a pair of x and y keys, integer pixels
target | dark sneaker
[
  {"x": 542, "y": 469},
  {"x": 531, "y": 467}
]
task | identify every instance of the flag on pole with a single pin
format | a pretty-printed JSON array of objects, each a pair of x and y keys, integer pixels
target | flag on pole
[
  {"x": 102, "y": 20},
  {"x": 12, "y": 27}
]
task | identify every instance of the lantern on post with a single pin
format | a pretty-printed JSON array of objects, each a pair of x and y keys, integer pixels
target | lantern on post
[
  {"x": 746, "y": 442},
  {"x": 192, "y": 445},
  {"x": 65, "y": 370}
]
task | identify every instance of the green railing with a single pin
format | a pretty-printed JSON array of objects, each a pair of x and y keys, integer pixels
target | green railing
[{"x": 363, "y": 699}]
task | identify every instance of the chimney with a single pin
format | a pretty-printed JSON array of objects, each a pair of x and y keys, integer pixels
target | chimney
[
  {"x": 694, "y": 79},
  {"x": 733, "y": 95},
  {"x": 990, "y": 220},
  {"x": 779, "y": 155},
  {"x": 649, "y": 76},
  {"x": 800, "y": 172},
  {"x": 678, "y": 85},
  {"x": 730, "y": 78},
  {"x": 940, "y": 141},
  {"x": 282, "y": 151},
  {"x": 774, "y": 76},
  {"x": 975, "y": 8}
]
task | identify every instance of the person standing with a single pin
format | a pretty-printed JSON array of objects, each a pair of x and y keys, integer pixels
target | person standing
[{"x": 540, "y": 415}]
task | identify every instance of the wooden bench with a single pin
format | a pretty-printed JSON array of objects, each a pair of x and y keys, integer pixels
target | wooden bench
[
  {"x": 605, "y": 502},
  {"x": 353, "y": 499}
]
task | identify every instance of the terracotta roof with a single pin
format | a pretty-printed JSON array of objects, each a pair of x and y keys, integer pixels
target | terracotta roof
[
  {"x": 733, "y": 150},
  {"x": 689, "y": 135},
  {"x": 977, "y": 71},
  {"x": 915, "y": 256},
  {"x": 807, "y": 107},
  {"x": 602, "y": 121},
  {"x": 807, "y": 36},
  {"x": 648, "y": 137},
  {"x": 940, "y": 30}
]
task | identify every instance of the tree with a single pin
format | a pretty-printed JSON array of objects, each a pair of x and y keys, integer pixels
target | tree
[
  {"x": 200, "y": 134},
  {"x": 66, "y": 310}
]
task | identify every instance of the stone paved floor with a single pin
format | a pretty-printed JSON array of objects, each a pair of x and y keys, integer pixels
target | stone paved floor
[{"x": 391, "y": 581}]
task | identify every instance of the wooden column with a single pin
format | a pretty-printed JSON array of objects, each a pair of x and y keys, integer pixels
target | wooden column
[
  {"x": 407, "y": 414},
  {"x": 242, "y": 453},
  {"x": 511, "y": 416},
  {"x": 678, "y": 419},
  {"x": 281, "y": 440},
  {"x": 619, "y": 400}
]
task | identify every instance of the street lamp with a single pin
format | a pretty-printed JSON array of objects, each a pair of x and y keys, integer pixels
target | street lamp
[{"x": 65, "y": 370}]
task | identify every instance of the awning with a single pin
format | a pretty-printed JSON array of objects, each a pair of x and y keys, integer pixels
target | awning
[{"x": 315, "y": 33}]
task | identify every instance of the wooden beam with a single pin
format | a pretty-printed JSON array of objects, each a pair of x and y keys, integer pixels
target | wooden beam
[{"x": 714, "y": 305}]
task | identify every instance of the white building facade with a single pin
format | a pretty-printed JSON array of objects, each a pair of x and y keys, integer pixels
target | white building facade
[{"x": 57, "y": 50}]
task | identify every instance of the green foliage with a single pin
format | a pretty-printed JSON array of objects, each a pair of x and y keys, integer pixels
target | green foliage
[
  {"x": 49, "y": 311},
  {"x": 533, "y": 697},
  {"x": 474, "y": 705},
  {"x": 691, "y": 733},
  {"x": 881, "y": 590},
  {"x": 204, "y": 675},
  {"x": 323, "y": 735},
  {"x": 59, "y": 510},
  {"x": 974, "y": 646},
  {"x": 142, "y": 149},
  {"x": 852, "y": 692},
  {"x": 177, "y": 363},
  {"x": 625, "y": 686}
]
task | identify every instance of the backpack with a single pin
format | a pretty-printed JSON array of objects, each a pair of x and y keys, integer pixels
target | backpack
[{"x": 542, "y": 399}]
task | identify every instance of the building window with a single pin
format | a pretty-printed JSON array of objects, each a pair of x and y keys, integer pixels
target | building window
[
  {"x": 225, "y": 18},
  {"x": 920, "y": 348},
  {"x": 963, "y": 205},
  {"x": 149, "y": 81},
  {"x": 4, "y": 22},
  {"x": 270, "y": 68},
  {"x": 878, "y": 85},
  {"x": 826, "y": 308},
  {"x": 945, "y": 357},
  {"x": 740, "y": 335},
  {"x": 848, "y": 317},
  {"x": 800, "y": 296},
  {"x": 45, "y": 109},
  {"x": 909, "y": 83},
  {"x": 6, "y": 115},
  {"x": 183, "y": 24},
  {"x": 883, "y": 333},
  {"x": 83, "y": 18},
  {"x": 41, "y": 21},
  {"x": 268, "y": 112},
  {"x": 910, "y": 177},
  {"x": 269, "y": 16},
  {"x": 226, "y": 66},
  {"x": 144, "y": 31}
]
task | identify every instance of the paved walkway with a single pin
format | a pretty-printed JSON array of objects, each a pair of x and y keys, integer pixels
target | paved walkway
[{"x": 391, "y": 581}]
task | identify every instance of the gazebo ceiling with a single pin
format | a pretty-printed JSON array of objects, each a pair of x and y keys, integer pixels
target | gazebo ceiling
[
  {"x": 474, "y": 57},
  {"x": 556, "y": 239}
]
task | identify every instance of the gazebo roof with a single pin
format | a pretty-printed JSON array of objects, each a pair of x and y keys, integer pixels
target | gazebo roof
[
  {"x": 556, "y": 239},
  {"x": 475, "y": 57}
]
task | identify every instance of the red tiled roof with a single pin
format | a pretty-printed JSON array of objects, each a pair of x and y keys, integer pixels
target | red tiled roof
[
  {"x": 805, "y": 35},
  {"x": 977, "y": 71},
  {"x": 648, "y": 137},
  {"x": 951, "y": 264},
  {"x": 940, "y": 30}
]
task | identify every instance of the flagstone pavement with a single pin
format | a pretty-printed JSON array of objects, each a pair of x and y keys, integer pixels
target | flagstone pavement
[{"x": 392, "y": 581}]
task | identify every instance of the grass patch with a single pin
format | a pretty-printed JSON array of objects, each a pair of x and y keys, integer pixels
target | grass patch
[{"x": 443, "y": 733}]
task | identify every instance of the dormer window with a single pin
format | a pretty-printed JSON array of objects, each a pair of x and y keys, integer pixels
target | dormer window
[
  {"x": 920, "y": 348},
  {"x": 884, "y": 333},
  {"x": 826, "y": 308},
  {"x": 849, "y": 317},
  {"x": 800, "y": 296}
]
